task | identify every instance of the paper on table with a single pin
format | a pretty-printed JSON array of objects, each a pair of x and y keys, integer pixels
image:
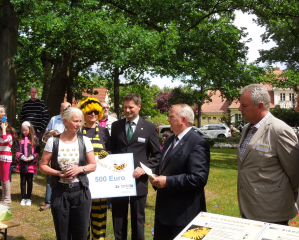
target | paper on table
[{"x": 147, "y": 170}]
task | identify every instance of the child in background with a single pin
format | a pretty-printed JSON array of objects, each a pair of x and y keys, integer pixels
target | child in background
[
  {"x": 27, "y": 152},
  {"x": 7, "y": 136},
  {"x": 2, "y": 114},
  {"x": 166, "y": 134}
]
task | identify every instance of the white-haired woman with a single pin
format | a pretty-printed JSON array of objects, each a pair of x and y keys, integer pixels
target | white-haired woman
[{"x": 72, "y": 157}]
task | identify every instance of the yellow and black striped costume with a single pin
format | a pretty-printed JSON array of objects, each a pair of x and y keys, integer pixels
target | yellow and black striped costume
[{"x": 98, "y": 215}]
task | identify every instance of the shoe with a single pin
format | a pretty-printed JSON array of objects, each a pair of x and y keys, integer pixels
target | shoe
[
  {"x": 23, "y": 202},
  {"x": 45, "y": 207},
  {"x": 28, "y": 202}
]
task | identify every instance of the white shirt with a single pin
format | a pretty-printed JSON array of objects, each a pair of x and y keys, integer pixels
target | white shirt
[
  {"x": 68, "y": 154},
  {"x": 180, "y": 136},
  {"x": 56, "y": 123}
]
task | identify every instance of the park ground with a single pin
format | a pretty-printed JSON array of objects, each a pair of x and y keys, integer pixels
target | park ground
[{"x": 221, "y": 197}]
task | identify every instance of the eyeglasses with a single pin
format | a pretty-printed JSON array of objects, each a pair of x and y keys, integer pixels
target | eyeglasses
[{"x": 94, "y": 111}]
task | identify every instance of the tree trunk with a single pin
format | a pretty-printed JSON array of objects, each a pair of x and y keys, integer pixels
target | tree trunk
[
  {"x": 46, "y": 60},
  {"x": 69, "y": 91},
  {"x": 116, "y": 91},
  {"x": 9, "y": 24},
  {"x": 59, "y": 82},
  {"x": 199, "y": 115},
  {"x": 200, "y": 106}
]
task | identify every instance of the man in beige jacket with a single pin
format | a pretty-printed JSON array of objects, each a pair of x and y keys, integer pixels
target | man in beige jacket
[{"x": 268, "y": 161}]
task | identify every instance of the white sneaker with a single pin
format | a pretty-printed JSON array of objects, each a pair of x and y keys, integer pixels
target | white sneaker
[
  {"x": 23, "y": 202},
  {"x": 28, "y": 202}
]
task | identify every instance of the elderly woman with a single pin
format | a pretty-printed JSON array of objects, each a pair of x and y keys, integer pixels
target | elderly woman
[
  {"x": 100, "y": 139},
  {"x": 72, "y": 157}
]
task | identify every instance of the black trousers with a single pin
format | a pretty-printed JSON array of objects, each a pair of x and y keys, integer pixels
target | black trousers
[
  {"x": 120, "y": 206},
  {"x": 26, "y": 178},
  {"x": 166, "y": 232},
  {"x": 71, "y": 209}
]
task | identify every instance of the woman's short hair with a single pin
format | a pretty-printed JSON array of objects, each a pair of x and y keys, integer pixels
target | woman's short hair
[
  {"x": 258, "y": 94},
  {"x": 186, "y": 111},
  {"x": 67, "y": 114},
  {"x": 90, "y": 104}
]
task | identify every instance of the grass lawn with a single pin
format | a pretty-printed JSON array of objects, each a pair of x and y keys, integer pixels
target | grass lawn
[{"x": 221, "y": 197}]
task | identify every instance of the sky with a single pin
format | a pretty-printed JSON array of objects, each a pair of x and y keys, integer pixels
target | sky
[{"x": 242, "y": 20}]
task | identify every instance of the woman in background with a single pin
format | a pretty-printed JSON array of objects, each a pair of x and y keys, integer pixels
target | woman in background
[{"x": 100, "y": 139}]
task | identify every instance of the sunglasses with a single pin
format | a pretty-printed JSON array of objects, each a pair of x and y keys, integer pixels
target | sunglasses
[{"x": 94, "y": 111}]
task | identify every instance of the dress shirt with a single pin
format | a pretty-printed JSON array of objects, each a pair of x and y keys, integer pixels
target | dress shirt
[
  {"x": 56, "y": 123},
  {"x": 180, "y": 136},
  {"x": 133, "y": 125}
]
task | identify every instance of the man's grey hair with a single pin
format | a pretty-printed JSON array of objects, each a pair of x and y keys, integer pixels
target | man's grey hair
[
  {"x": 258, "y": 94},
  {"x": 186, "y": 111}
]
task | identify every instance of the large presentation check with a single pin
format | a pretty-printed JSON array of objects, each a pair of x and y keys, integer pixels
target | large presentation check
[{"x": 113, "y": 177}]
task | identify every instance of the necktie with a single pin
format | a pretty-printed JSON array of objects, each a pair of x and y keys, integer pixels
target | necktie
[
  {"x": 247, "y": 139},
  {"x": 130, "y": 131},
  {"x": 169, "y": 150}
]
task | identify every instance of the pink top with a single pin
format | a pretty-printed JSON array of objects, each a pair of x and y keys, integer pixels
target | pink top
[
  {"x": 24, "y": 148},
  {"x": 103, "y": 123}
]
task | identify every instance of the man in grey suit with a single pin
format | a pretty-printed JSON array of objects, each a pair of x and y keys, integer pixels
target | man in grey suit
[{"x": 268, "y": 163}]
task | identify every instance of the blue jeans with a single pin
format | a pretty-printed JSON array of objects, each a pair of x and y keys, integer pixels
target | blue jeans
[{"x": 48, "y": 191}]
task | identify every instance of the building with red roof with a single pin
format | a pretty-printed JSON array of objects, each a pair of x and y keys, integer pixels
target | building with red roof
[{"x": 213, "y": 111}]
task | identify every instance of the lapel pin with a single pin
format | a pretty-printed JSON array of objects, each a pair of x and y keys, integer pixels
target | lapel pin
[{"x": 266, "y": 128}]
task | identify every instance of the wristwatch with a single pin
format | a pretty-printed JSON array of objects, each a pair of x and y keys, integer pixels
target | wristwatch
[{"x": 84, "y": 169}]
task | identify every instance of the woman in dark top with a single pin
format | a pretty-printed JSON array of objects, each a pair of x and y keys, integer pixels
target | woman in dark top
[{"x": 100, "y": 139}]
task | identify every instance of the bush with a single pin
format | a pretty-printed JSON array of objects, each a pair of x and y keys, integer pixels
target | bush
[
  {"x": 211, "y": 141},
  {"x": 228, "y": 140},
  {"x": 289, "y": 116},
  {"x": 160, "y": 119}
]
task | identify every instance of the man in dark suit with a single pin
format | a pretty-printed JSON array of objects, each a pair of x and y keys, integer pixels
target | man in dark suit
[
  {"x": 181, "y": 175},
  {"x": 138, "y": 136}
]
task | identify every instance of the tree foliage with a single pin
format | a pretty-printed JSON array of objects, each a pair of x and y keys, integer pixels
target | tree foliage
[
  {"x": 289, "y": 116},
  {"x": 162, "y": 101}
]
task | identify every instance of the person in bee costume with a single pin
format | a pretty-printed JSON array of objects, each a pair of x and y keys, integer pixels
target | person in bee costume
[{"x": 100, "y": 139}]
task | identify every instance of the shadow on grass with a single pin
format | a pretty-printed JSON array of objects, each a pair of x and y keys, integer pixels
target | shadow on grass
[
  {"x": 15, "y": 238},
  {"x": 35, "y": 198},
  {"x": 224, "y": 164},
  {"x": 41, "y": 179},
  {"x": 150, "y": 206}
]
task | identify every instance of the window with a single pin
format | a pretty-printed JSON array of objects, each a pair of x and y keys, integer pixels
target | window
[
  {"x": 291, "y": 96},
  {"x": 209, "y": 118},
  {"x": 203, "y": 118},
  {"x": 282, "y": 97},
  {"x": 214, "y": 118}
]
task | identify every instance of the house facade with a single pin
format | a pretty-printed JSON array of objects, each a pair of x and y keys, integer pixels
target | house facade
[{"x": 213, "y": 111}]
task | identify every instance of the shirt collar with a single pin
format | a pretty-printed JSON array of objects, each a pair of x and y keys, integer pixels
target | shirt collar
[
  {"x": 134, "y": 121},
  {"x": 182, "y": 134},
  {"x": 263, "y": 120}
]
